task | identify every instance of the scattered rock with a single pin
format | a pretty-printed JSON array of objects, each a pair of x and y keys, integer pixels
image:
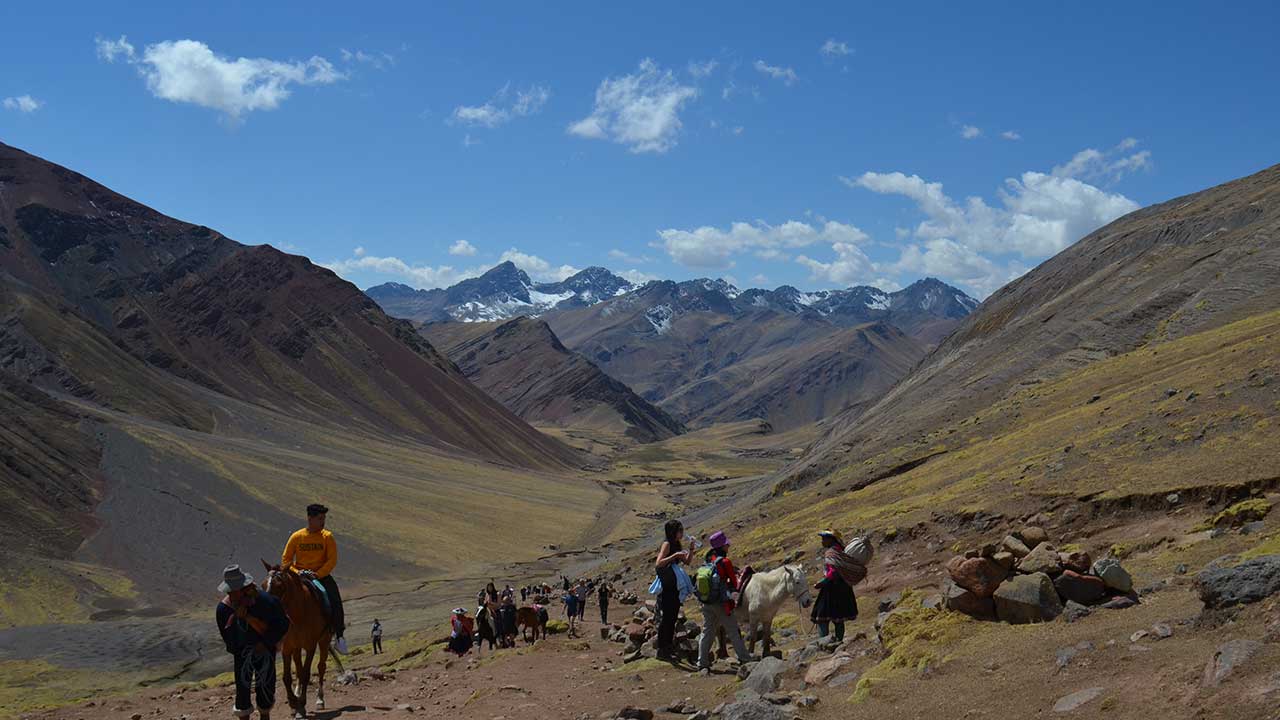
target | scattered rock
[
  {"x": 932, "y": 602},
  {"x": 1115, "y": 576},
  {"x": 765, "y": 676},
  {"x": 1228, "y": 657},
  {"x": 821, "y": 672},
  {"x": 1015, "y": 546},
  {"x": 1073, "y": 611},
  {"x": 1248, "y": 582},
  {"x": 1042, "y": 559},
  {"x": 753, "y": 710},
  {"x": 1083, "y": 589},
  {"x": 1027, "y": 599},
  {"x": 1121, "y": 602},
  {"x": 776, "y": 698},
  {"x": 1077, "y": 699},
  {"x": 806, "y": 701},
  {"x": 1077, "y": 561},
  {"x": 979, "y": 575},
  {"x": 1162, "y": 631},
  {"x": 635, "y": 713},
  {"x": 1031, "y": 536},
  {"x": 1004, "y": 559},
  {"x": 1138, "y": 636}
]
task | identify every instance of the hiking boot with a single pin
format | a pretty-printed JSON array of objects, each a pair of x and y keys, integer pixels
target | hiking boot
[
  {"x": 704, "y": 671},
  {"x": 341, "y": 646}
]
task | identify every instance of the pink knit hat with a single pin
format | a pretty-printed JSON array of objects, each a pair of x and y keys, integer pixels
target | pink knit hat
[{"x": 718, "y": 540}]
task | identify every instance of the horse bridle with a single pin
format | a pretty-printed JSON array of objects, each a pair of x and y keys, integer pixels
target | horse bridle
[{"x": 803, "y": 596}]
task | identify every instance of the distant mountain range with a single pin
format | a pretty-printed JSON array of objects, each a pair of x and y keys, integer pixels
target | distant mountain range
[
  {"x": 505, "y": 291},
  {"x": 705, "y": 351}
]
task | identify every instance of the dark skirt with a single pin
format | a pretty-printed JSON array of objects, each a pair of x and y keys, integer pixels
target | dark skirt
[
  {"x": 460, "y": 644},
  {"x": 835, "y": 602},
  {"x": 507, "y": 620}
]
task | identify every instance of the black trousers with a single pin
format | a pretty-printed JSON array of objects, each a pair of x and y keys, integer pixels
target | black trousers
[
  {"x": 338, "y": 618},
  {"x": 670, "y": 601},
  {"x": 254, "y": 673},
  {"x": 604, "y": 613},
  {"x": 377, "y": 644}
]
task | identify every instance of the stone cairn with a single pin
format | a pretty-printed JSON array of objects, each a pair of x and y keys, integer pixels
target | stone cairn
[{"x": 1025, "y": 579}]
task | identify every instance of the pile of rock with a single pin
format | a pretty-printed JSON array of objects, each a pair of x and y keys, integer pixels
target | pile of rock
[
  {"x": 642, "y": 631},
  {"x": 1025, "y": 579}
]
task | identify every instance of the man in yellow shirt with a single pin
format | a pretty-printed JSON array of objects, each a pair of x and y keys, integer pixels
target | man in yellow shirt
[{"x": 312, "y": 552}]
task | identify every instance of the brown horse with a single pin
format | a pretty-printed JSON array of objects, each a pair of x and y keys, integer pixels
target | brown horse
[
  {"x": 530, "y": 617},
  {"x": 308, "y": 631}
]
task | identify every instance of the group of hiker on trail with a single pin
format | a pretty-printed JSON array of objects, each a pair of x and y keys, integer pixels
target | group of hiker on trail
[
  {"x": 255, "y": 622},
  {"x": 719, "y": 588}
]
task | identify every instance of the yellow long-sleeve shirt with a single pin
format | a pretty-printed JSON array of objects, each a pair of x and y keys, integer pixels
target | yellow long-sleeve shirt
[{"x": 317, "y": 552}]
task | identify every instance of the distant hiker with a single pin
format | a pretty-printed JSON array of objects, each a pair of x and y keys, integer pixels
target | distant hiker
[
  {"x": 565, "y": 579},
  {"x": 524, "y": 593},
  {"x": 491, "y": 593},
  {"x": 581, "y": 592},
  {"x": 252, "y": 624},
  {"x": 376, "y": 633},
  {"x": 507, "y": 620},
  {"x": 836, "y": 603},
  {"x": 460, "y": 636},
  {"x": 672, "y": 584},
  {"x": 716, "y": 587},
  {"x": 602, "y": 597},
  {"x": 313, "y": 553},
  {"x": 571, "y": 611}
]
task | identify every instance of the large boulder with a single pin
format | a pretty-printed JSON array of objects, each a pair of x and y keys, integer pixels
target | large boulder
[
  {"x": 979, "y": 575},
  {"x": 1084, "y": 589},
  {"x": 968, "y": 602},
  {"x": 1042, "y": 559},
  {"x": 1114, "y": 575},
  {"x": 1078, "y": 560},
  {"x": 1228, "y": 657},
  {"x": 765, "y": 676},
  {"x": 1031, "y": 536},
  {"x": 1027, "y": 599},
  {"x": 1015, "y": 546},
  {"x": 1248, "y": 582}
]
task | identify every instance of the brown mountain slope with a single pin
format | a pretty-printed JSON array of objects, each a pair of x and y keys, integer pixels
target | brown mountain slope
[
  {"x": 523, "y": 365},
  {"x": 803, "y": 383},
  {"x": 1163, "y": 273},
  {"x": 248, "y": 322},
  {"x": 160, "y": 381}
]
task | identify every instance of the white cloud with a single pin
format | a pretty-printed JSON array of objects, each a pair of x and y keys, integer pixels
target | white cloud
[
  {"x": 1110, "y": 165},
  {"x": 462, "y": 248},
  {"x": 957, "y": 263},
  {"x": 641, "y": 111},
  {"x": 1010, "y": 135},
  {"x": 711, "y": 247},
  {"x": 702, "y": 69},
  {"x": 359, "y": 251},
  {"x": 536, "y": 267},
  {"x": 420, "y": 276},
  {"x": 786, "y": 75},
  {"x": 22, "y": 103},
  {"x": 637, "y": 277},
  {"x": 503, "y": 107},
  {"x": 851, "y": 266},
  {"x": 624, "y": 256},
  {"x": 468, "y": 141},
  {"x": 188, "y": 71},
  {"x": 833, "y": 49},
  {"x": 760, "y": 279},
  {"x": 378, "y": 60},
  {"x": 969, "y": 132}
]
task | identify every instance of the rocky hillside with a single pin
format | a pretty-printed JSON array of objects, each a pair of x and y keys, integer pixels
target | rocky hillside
[
  {"x": 523, "y": 365},
  {"x": 1164, "y": 274}
]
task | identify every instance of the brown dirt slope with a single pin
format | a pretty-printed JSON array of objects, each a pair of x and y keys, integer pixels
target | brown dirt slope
[
  {"x": 1151, "y": 278},
  {"x": 523, "y": 365}
]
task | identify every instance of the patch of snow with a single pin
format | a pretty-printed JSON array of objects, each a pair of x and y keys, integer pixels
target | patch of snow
[
  {"x": 659, "y": 316},
  {"x": 879, "y": 301},
  {"x": 759, "y": 301},
  {"x": 549, "y": 299}
]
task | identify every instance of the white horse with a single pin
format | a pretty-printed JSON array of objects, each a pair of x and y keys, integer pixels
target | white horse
[{"x": 764, "y": 597}]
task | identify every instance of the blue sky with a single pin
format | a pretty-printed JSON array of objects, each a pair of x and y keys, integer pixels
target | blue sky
[{"x": 815, "y": 144}]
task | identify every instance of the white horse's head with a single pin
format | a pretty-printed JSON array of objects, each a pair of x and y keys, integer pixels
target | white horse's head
[{"x": 796, "y": 584}]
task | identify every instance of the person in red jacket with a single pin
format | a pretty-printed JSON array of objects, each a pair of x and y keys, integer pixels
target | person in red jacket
[{"x": 718, "y": 614}]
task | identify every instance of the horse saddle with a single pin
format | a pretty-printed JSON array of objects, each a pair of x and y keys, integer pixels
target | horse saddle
[
  {"x": 748, "y": 572},
  {"x": 322, "y": 595}
]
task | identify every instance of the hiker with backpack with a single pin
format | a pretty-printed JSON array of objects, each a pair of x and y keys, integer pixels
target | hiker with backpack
[
  {"x": 836, "y": 603},
  {"x": 716, "y": 587}
]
